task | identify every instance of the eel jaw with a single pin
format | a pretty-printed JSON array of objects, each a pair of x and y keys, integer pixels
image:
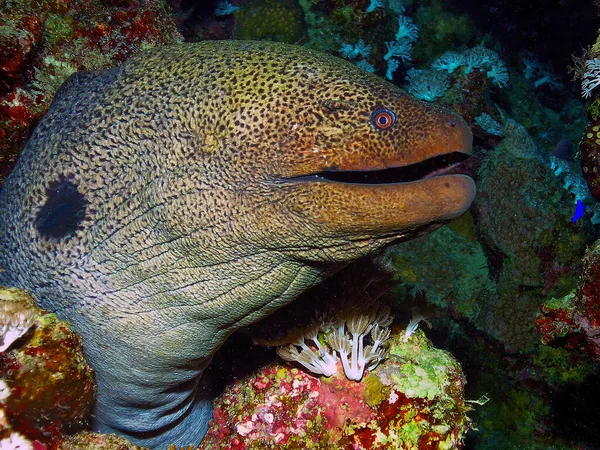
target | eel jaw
[
  {"x": 431, "y": 167},
  {"x": 397, "y": 201}
]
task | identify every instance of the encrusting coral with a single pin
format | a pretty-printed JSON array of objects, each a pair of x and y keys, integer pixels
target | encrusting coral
[
  {"x": 86, "y": 440},
  {"x": 43, "y": 42},
  {"x": 408, "y": 397}
]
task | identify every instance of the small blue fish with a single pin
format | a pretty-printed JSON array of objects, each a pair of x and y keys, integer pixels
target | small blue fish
[{"x": 579, "y": 210}]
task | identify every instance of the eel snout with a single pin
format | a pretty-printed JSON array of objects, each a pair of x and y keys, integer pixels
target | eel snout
[{"x": 404, "y": 190}]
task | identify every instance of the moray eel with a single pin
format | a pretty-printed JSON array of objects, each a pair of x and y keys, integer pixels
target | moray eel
[{"x": 162, "y": 205}]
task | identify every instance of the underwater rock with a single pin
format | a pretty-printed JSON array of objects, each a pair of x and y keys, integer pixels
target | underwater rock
[
  {"x": 574, "y": 320},
  {"x": 42, "y": 43},
  {"x": 412, "y": 400},
  {"x": 449, "y": 266},
  {"x": 555, "y": 322},
  {"x": 46, "y": 387},
  {"x": 587, "y": 315},
  {"x": 514, "y": 207},
  {"x": 521, "y": 210}
]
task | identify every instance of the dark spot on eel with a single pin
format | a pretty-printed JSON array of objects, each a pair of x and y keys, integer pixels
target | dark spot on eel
[{"x": 63, "y": 211}]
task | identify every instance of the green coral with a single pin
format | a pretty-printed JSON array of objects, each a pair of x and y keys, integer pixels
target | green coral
[
  {"x": 87, "y": 440},
  {"x": 51, "y": 75},
  {"x": 57, "y": 29},
  {"x": 426, "y": 372},
  {"x": 512, "y": 420},
  {"x": 592, "y": 109},
  {"x": 439, "y": 28},
  {"x": 446, "y": 264},
  {"x": 559, "y": 368},
  {"x": 375, "y": 391}
]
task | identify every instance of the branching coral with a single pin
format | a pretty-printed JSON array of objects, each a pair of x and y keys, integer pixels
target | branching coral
[
  {"x": 427, "y": 84},
  {"x": 591, "y": 77},
  {"x": 318, "y": 350}
]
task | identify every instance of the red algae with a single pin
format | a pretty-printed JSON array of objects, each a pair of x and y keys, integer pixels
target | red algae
[{"x": 575, "y": 318}]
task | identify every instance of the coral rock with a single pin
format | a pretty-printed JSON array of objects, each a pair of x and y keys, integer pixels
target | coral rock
[
  {"x": 587, "y": 311},
  {"x": 412, "y": 400},
  {"x": 46, "y": 387},
  {"x": 574, "y": 320},
  {"x": 17, "y": 48},
  {"x": 43, "y": 42},
  {"x": 87, "y": 440}
]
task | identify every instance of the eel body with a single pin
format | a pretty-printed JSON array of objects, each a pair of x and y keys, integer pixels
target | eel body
[{"x": 162, "y": 205}]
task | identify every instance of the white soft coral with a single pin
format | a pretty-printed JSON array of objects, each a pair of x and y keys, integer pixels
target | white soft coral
[
  {"x": 347, "y": 339},
  {"x": 15, "y": 442},
  {"x": 316, "y": 358},
  {"x": 15, "y": 319}
]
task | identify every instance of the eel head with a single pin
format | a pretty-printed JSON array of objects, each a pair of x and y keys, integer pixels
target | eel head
[{"x": 354, "y": 164}]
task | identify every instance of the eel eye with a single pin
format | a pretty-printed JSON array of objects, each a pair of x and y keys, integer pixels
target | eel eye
[{"x": 383, "y": 119}]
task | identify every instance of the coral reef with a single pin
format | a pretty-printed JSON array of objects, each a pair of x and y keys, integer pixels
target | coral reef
[
  {"x": 589, "y": 148},
  {"x": 430, "y": 265},
  {"x": 587, "y": 69},
  {"x": 573, "y": 321},
  {"x": 43, "y": 42},
  {"x": 518, "y": 251},
  {"x": 412, "y": 400},
  {"x": 519, "y": 216},
  {"x": 46, "y": 387},
  {"x": 587, "y": 315},
  {"x": 489, "y": 272},
  {"x": 492, "y": 272}
]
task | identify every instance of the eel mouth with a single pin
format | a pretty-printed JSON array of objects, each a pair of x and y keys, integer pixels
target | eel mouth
[
  {"x": 393, "y": 201},
  {"x": 445, "y": 164}
]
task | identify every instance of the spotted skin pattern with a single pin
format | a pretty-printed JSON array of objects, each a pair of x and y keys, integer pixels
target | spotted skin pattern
[{"x": 164, "y": 204}]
